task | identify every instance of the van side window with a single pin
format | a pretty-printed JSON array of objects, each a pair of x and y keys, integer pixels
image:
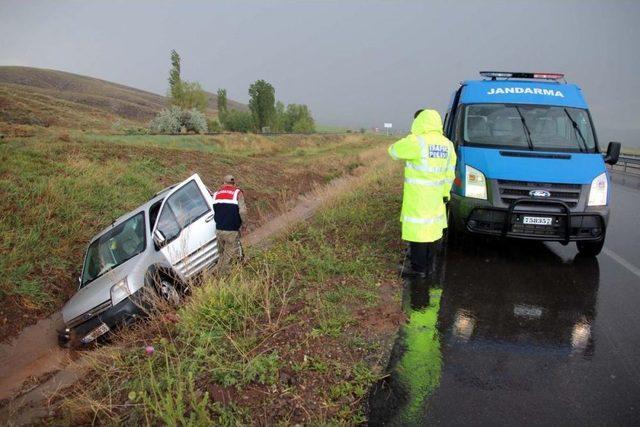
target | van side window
[
  {"x": 168, "y": 224},
  {"x": 453, "y": 115},
  {"x": 188, "y": 204},
  {"x": 445, "y": 126},
  {"x": 456, "y": 136},
  {"x": 181, "y": 209}
]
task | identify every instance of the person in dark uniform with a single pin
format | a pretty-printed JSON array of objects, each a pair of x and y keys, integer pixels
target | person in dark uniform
[{"x": 230, "y": 214}]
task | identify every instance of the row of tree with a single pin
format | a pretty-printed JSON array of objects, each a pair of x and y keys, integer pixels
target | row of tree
[
  {"x": 265, "y": 114},
  {"x": 187, "y": 111}
]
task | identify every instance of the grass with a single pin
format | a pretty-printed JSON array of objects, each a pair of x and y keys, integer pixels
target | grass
[
  {"x": 272, "y": 342},
  {"x": 56, "y": 191},
  {"x": 40, "y": 97},
  {"x": 631, "y": 150}
]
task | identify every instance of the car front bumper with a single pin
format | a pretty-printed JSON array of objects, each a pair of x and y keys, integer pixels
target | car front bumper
[
  {"x": 126, "y": 311},
  {"x": 481, "y": 217}
]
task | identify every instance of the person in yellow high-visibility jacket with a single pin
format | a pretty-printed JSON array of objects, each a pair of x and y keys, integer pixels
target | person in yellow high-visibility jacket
[{"x": 430, "y": 161}]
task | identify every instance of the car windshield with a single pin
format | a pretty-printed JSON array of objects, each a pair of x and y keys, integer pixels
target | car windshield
[
  {"x": 536, "y": 127},
  {"x": 114, "y": 247}
]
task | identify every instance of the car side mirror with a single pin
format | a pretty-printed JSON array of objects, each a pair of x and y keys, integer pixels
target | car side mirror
[
  {"x": 613, "y": 153},
  {"x": 159, "y": 239}
]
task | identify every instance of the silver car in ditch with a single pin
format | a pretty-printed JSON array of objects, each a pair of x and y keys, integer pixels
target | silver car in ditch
[{"x": 159, "y": 246}]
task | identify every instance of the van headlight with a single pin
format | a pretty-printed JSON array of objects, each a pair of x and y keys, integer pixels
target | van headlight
[
  {"x": 475, "y": 184},
  {"x": 120, "y": 291},
  {"x": 599, "y": 190}
]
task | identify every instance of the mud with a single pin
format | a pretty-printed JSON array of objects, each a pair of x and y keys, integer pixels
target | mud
[{"x": 34, "y": 353}]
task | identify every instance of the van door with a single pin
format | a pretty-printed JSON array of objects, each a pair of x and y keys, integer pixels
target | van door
[{"x": 186, "y": 224}]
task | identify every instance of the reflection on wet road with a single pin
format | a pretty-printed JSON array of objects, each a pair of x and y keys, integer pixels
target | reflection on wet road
[{"x": 517, "y": 333}]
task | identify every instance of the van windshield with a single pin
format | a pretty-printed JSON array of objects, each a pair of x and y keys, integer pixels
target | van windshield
[
  {"x": 114, "y": 247},
  {"x": 536, "y": 127}
]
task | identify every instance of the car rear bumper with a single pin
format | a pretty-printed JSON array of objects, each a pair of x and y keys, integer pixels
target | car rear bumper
[
  {"x": 480, "y": 217},
  {"x": 124, "y": 312}
]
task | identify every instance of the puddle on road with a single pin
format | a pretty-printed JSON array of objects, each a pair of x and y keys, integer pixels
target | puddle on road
[
  {"x": 483, "y": 309},
  {"x": 416, "y": 362}
]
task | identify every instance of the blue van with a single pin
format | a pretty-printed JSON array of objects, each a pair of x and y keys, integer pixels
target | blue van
[{"x": 529, "y": 163}]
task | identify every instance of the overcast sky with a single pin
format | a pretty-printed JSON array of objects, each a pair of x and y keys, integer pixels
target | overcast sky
[{"x": 355, "y": 63}]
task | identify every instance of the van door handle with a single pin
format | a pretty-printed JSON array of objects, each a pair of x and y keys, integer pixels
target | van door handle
[{"x": 209, "y": 218}]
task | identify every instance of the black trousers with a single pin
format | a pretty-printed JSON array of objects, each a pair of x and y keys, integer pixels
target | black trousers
[{"x": 421, "y": 254}]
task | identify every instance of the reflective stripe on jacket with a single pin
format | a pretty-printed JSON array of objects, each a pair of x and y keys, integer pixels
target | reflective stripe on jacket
[
  {"x": 430, "y": 162},
  {"x": 226, "y": 208}
]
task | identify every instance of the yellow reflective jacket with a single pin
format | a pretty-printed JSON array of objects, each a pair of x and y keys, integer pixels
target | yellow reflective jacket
[{"x": 430, "y": 161}]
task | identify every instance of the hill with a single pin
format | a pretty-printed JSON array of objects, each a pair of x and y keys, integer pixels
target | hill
[{"x": 41, "y": 97}]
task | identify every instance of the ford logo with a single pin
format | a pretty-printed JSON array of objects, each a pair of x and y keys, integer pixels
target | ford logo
[{"x": 539, "y": 193}]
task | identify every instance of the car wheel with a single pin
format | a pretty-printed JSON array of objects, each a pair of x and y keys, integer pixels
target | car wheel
[
  {"x": 590, "y": 248},
  {"x": 168, "y": 292}
]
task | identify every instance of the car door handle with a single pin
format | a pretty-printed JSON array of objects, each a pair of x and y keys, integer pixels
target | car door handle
[{"x": 209, "y": 218}]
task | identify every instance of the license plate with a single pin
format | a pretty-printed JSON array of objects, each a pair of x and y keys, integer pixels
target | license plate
[
  {"x": 537, "y": 220},
  {"x": 99, "y": 331}
]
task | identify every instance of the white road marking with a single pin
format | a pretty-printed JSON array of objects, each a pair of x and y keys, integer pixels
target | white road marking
[{"x": 623, "y": 262}]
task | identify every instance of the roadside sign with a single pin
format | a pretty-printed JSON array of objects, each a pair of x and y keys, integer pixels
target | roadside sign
[{"x": 388, "y": 125}]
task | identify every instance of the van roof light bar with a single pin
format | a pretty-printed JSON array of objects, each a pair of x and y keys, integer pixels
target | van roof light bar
[{"x": 519, "y": 75}]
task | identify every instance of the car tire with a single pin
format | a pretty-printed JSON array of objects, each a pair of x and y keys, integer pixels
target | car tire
[
  {"x": 168, "y": 291},
  {"x": 590, "y": 248}
]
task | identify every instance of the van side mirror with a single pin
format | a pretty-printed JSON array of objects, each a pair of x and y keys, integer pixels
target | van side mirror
[
  {"x": 613, "y": 153},
  {"x": 159, "y": 239}
]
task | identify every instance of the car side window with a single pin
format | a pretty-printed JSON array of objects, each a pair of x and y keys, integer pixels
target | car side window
[
  {"x": 188, "y": 204},
  {"x": 181, "y": 209},
  {"x": 168, "y": 224}
]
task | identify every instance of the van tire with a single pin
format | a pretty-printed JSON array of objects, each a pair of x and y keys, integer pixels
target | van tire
[
  {"x": 590, "y": 248},
  {"x": 168, "y": 291}
]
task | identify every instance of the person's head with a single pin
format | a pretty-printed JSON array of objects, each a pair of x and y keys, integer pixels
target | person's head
[
  {"x": 229, "y": 179},
  {"x": 426, "y": 121},
  {"x": 417, "y": 113}
]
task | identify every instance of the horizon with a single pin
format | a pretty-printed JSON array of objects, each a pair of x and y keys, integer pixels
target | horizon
[{"x": 329, "y": 55}]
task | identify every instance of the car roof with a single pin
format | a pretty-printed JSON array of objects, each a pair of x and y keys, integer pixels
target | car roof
[
  {"x": 159, "y": 196},
  {"x": 522, "y": 91}
]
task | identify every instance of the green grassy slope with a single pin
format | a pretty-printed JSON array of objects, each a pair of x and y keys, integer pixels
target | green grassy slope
[
  {"x": 55, "y": 193},
  {"x": 296, "y": 337}
]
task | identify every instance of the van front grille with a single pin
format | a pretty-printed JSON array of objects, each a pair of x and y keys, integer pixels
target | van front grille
[
  {"x": 89, "y": 314},
  {"x": 513, "y": 190}
]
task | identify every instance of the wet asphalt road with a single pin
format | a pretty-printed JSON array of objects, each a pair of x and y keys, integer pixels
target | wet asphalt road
[{"x": 512, "y": 333}]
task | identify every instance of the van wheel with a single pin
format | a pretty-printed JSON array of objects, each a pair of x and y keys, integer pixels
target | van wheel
[
  {"x": 168, "y": 291},
  {"x": 590, "y": 248}
]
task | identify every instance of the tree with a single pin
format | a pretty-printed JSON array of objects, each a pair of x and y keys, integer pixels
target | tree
[
  {"x": 192, "y": 96},
  {"x": 279, "y": 118},
  {"x": 175, "y": 84},
  {"x": 262, "y": 103},
  {"x": 237, "y": 121},
  {"x": 222, "y": 101},
  {"x": 298, "y": 119},
  {"x": 173, "y": 119},
  {"x": 186, "y": 95}
]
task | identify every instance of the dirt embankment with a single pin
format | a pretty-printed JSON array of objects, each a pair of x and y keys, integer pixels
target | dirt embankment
[{"x": 34, "y": 369}]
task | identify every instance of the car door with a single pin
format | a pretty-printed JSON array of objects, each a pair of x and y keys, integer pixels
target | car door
[{"x": 186, "y": 229}]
